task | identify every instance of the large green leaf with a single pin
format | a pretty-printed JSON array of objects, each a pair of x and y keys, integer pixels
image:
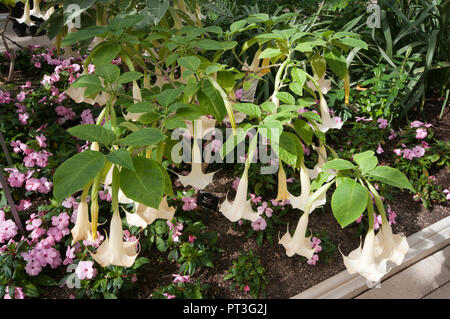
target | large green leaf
[
  {"x": 146, "y": 184},
  {"x": 109, "y": 72},
  {"x": 248, "y": 108},
  {"x": 83, "y": 34},
  {"x": 288, "y": 148},
  {"x": 304, "y": 130},
  {"x": 191, "y": 63},
  {"x": 338, "y": 164},
  {"x": 121, "y": 157},
  {"x": 144, "y": 137},
  {"x": 74, "y": 174},
  {"x": 349, "y": 201},
  {"x": 211, "y": 102},
  {"x": 337, "y": 63},
  {"x": 367, "y": 161},
  {"x": 391, "y": 176},
  {"x": 94, "y": 133}
]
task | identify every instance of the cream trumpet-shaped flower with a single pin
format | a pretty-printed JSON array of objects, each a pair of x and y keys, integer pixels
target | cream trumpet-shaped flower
[
  {"x": 196, "y": 177},
  {"x": 327, "y": 121},
  {"x": 300, "y": 202},
  {"x": 82, "y": 228},
  {"x": 145, "y": 216},
  {"x": 113, "y": 250},
  {"x": 322, "y": 158},
  {"x": 240, "y": 208},
  {"x": 48, "y": 13},
  {"x": 324, "y": 85},
  {"x": 298, "y": 243},
  {"x": 365, "y": 261},
  {"x": 283, "y": 193},
  {"x": 389, "y": 246},
  {"x": 36, "y": 11},
  {"x": 137, "y": 97},
  {"x": 26, "y": 15}
]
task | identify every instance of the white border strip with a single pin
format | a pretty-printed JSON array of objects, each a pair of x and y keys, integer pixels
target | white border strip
[{"x": 421, "y": 244}]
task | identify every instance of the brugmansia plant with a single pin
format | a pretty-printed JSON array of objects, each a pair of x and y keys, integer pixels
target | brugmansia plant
[{"x": 173, "y": 78}]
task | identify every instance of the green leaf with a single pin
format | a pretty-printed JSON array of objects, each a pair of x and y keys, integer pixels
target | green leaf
[
  {"x": 304, "y": 130},
  {"x": 269, "y": 53},
  {"x": 391, "y": 176},
  {"x": 288, "y": 148},
  {"x": 312, "y": 116},
  {"x": 338, "y": 164},
  {"x": 367, "y": 161},
  {"x": 157, "y": 9},
  {"x": 74, "y": 174},
  {"x": 286, "y": 98},
  {"x": 318, "y": 65},
  {"x": 148, "y": 118},
  {"x": 248, "y": 108},
  {"x": 144, "y": 137},
  {"x": 337, "y": 63},
  {"x": 299, "y": 76},
  {"x": 145, "y": 184},
  {"x": 140, "y": 262},
  {"x": 352, "y": 42},
  {"x": 105, "y": 52},
  {"x": 45, "y": 280},
  {"x": 121, "y": 157},
  {"x": 167, "y": 97},
  {"x": 109, "y": 72},
  {"x": 269, "y": 106},
  {"x": 191, "y": 63},
  {"x": 31, "y": 291},
  {"x": 349, "y": 201},
  {"x": 129, "y": 77},
  {"x": 94, "y": 133},
  {"x": 81, "y": 35},
  {"x": 141, "y": 107},
  {"x": 211, "y": 102},
  {"x": 88, "y": 80},
  {"x": 109, "y": 295},
  {"x": 208, "y": 44}
]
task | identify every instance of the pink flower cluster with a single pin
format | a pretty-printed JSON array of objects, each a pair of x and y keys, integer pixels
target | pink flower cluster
[
  {"x": 177, "y": 228},
  {"x": 315, "y": 243},
  {"x": 85, "y": 270},
  {"x": 87, "y": 117},
  {"x": 66, "y": 113},
  {"x": 416, "y": 152},
  {"x": 8, "y": 229},
  {"x": 5, "y": 97},
  {"x": 264, "y": 209},
  {"x": 259, "y": 224},
  {"x": 180, "y": 278},
  {"x": 190, "y": 203},
  {"x": 18, "y": 293}
]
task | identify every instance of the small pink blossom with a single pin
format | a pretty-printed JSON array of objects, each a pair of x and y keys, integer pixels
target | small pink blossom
[
  {"x": 259, "y": 224},
  {"x": 314, "y": 259},
  {"x": 41, "y": 140},
  {"x": 189, "y": 203},
  {"x": 379, "y": 149},
  {"x": 246, "y": 288},
  {"x": 255, "y": 199},
  {"x": 382, "y": 123},
  {"x": 238, "y": 94},
  {"x": 421, "y": 133},
  {"x": 85, "y": 270},
  {"x": 180, "y": 278},
  {"x": 418, "y": 151},
  {"x": 192, "y": 238}
]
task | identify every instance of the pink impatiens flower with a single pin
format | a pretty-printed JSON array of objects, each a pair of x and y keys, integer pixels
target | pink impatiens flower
[
  {"x": 447, "y": 192},
  {"x": 41, "y": 140},
  {"x": 189, "y": 203},
  {"x": 259, "y": 224},
  {"x": 382, "y": 123},
  {"x": 265, "y": 209},
  {"x": 314, "y": 259},
  {"x": 418, "y": 151},
  {"x": 180, "y": 278},
  {"x": 18, "y": 293},
  {"x": 379, "y": 149},
  {"x": 85, "y": 270},
  {"x": 421, "y": 133},
  {"x": 192, "y": 238},
  {"x": 246, "y": 288}
]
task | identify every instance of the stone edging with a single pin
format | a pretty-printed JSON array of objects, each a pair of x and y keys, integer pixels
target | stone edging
[{"x": 345, "y": 286}]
